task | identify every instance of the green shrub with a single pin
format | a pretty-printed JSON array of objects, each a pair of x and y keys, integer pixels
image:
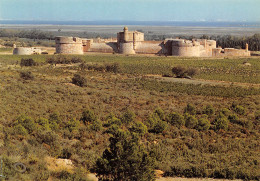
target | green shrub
[
  {"x": 221, "y": 122},
  {"x": 176, "y": 119},
  {"x": 190, "y": 121},
  {"x": 234, "y": 119},
  {"x": 155, "y": 124},
  {"x": 190, "y": 109},
  {"x": 96, "y": 125},
  {"x": 159, "y": 127},
  {"x": 203, "y": 124},
  {"x": 27, "y": 122},
  {"x": 225, "y": 111},
  {"x": 79, "y": 80},
  {"x": 27, "y": 62},
  {"x": 44, "y": 123},
  {"x": 112, "y": 120},
  {"x": 238, "y": 109},
  {"x": 72, "y": 124},
  {"x": 88, "y": 116},
  {"x": 182, "y": 72},
  {"x": 178, "y": 71},
  {"x": 209, "y": 110},
  {"x": 112, "y": 67},
  {"x": 20, "y": 130},
  {"x": 139, "y": 127},
  {"x": 128, "y": 117},
  {"x": 26, "y": 75},
  {"x": 160, "y": 113},
  {"x": 54, "y": 121}
]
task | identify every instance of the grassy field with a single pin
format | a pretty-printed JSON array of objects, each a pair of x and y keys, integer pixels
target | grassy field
[
  {"x": 228, "y": 69},
  {"x": 219, "y": 152}
]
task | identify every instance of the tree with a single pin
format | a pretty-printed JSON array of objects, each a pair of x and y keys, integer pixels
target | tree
[{"x": 125, "y": 159}]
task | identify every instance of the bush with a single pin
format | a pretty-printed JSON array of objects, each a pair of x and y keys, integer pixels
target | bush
[
  {"x": 88, "y": 116},
  {"x": 27, "y": 62},
  {"x": 96, "y": 125},
  {"x": 221, "y": 122},
  {"x": 238, "y": 109},
  {"x": 27, "y": 122},
  {"x": 128, "y": 117},
  {"x": 176, "y": 119},
  {"x": 234, "y": 119},
  {"x": 209, "y": 110},
  {"x": 203, "y": 124},
  {"x": 139, "y": 127},
  {"x": 61, "y": 59},
  {"x": 72, "y": 125},
  {"x": 27, "y": 75},
  {"x": 20, "y": 130},
  {"x": 178, "y": 71},
  {"x": 181, "y": 72},
  {"x": 190, "y": 121},
  {"x": 225, "y": 111},
  {"x": 190, "y": 109},
  {"x": 112, "y": 67},
  {"x": 112, "y": 120},
  {"x": 79, "y": 80},
  {"x": 155, "y": 124},
  {"x": 160, "y": 113},
  {"x": 43, "y": 123}
]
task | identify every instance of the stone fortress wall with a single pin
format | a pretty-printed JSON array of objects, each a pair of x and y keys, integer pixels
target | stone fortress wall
[
  {"x": 26, "y": 51},
  {"x": 132, "y": 42}
]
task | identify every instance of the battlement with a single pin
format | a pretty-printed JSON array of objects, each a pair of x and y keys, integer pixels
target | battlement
[{"x": 68, "y": 40}]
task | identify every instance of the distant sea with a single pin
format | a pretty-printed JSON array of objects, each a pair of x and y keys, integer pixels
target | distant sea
[{"x": 137, "y": 23}]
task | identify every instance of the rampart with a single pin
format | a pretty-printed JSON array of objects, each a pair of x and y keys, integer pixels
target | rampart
[{"x": 132, "y": 42}]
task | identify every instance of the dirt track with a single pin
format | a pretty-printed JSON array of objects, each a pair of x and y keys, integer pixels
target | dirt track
[{"x": 202, "y": 82}]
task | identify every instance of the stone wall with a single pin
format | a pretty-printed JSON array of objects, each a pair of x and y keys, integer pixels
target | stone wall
[
  {"x": 150, "y": 47},
  {"x": 230, "y": 52},
  {"x": 26, "y": 51},
  {"x": 103, "y": 47}
]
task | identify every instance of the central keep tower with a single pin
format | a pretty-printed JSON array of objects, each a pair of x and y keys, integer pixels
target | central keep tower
[{"x": 127, "y": 41}]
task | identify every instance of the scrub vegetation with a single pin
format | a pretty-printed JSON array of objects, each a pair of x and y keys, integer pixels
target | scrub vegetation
[{"x": 104, "y": 114}]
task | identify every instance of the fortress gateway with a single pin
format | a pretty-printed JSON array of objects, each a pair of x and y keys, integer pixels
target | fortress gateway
[{"x": 132, "y": 42}]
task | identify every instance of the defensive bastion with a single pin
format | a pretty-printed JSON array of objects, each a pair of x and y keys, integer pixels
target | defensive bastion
[{"x": 132, "y": 42}]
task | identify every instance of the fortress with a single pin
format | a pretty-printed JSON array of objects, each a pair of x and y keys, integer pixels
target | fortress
[{"x": 132, "y": 42}]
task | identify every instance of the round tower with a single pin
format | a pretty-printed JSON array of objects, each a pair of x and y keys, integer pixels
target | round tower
[
  {"x": 69, "y": 45},
  {"x": 185, "y": 48},
  {"x": 125, "y": 34}
]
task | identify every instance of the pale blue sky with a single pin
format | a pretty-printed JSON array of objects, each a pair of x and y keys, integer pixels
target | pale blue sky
[{"x": 143, "y": 10}]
